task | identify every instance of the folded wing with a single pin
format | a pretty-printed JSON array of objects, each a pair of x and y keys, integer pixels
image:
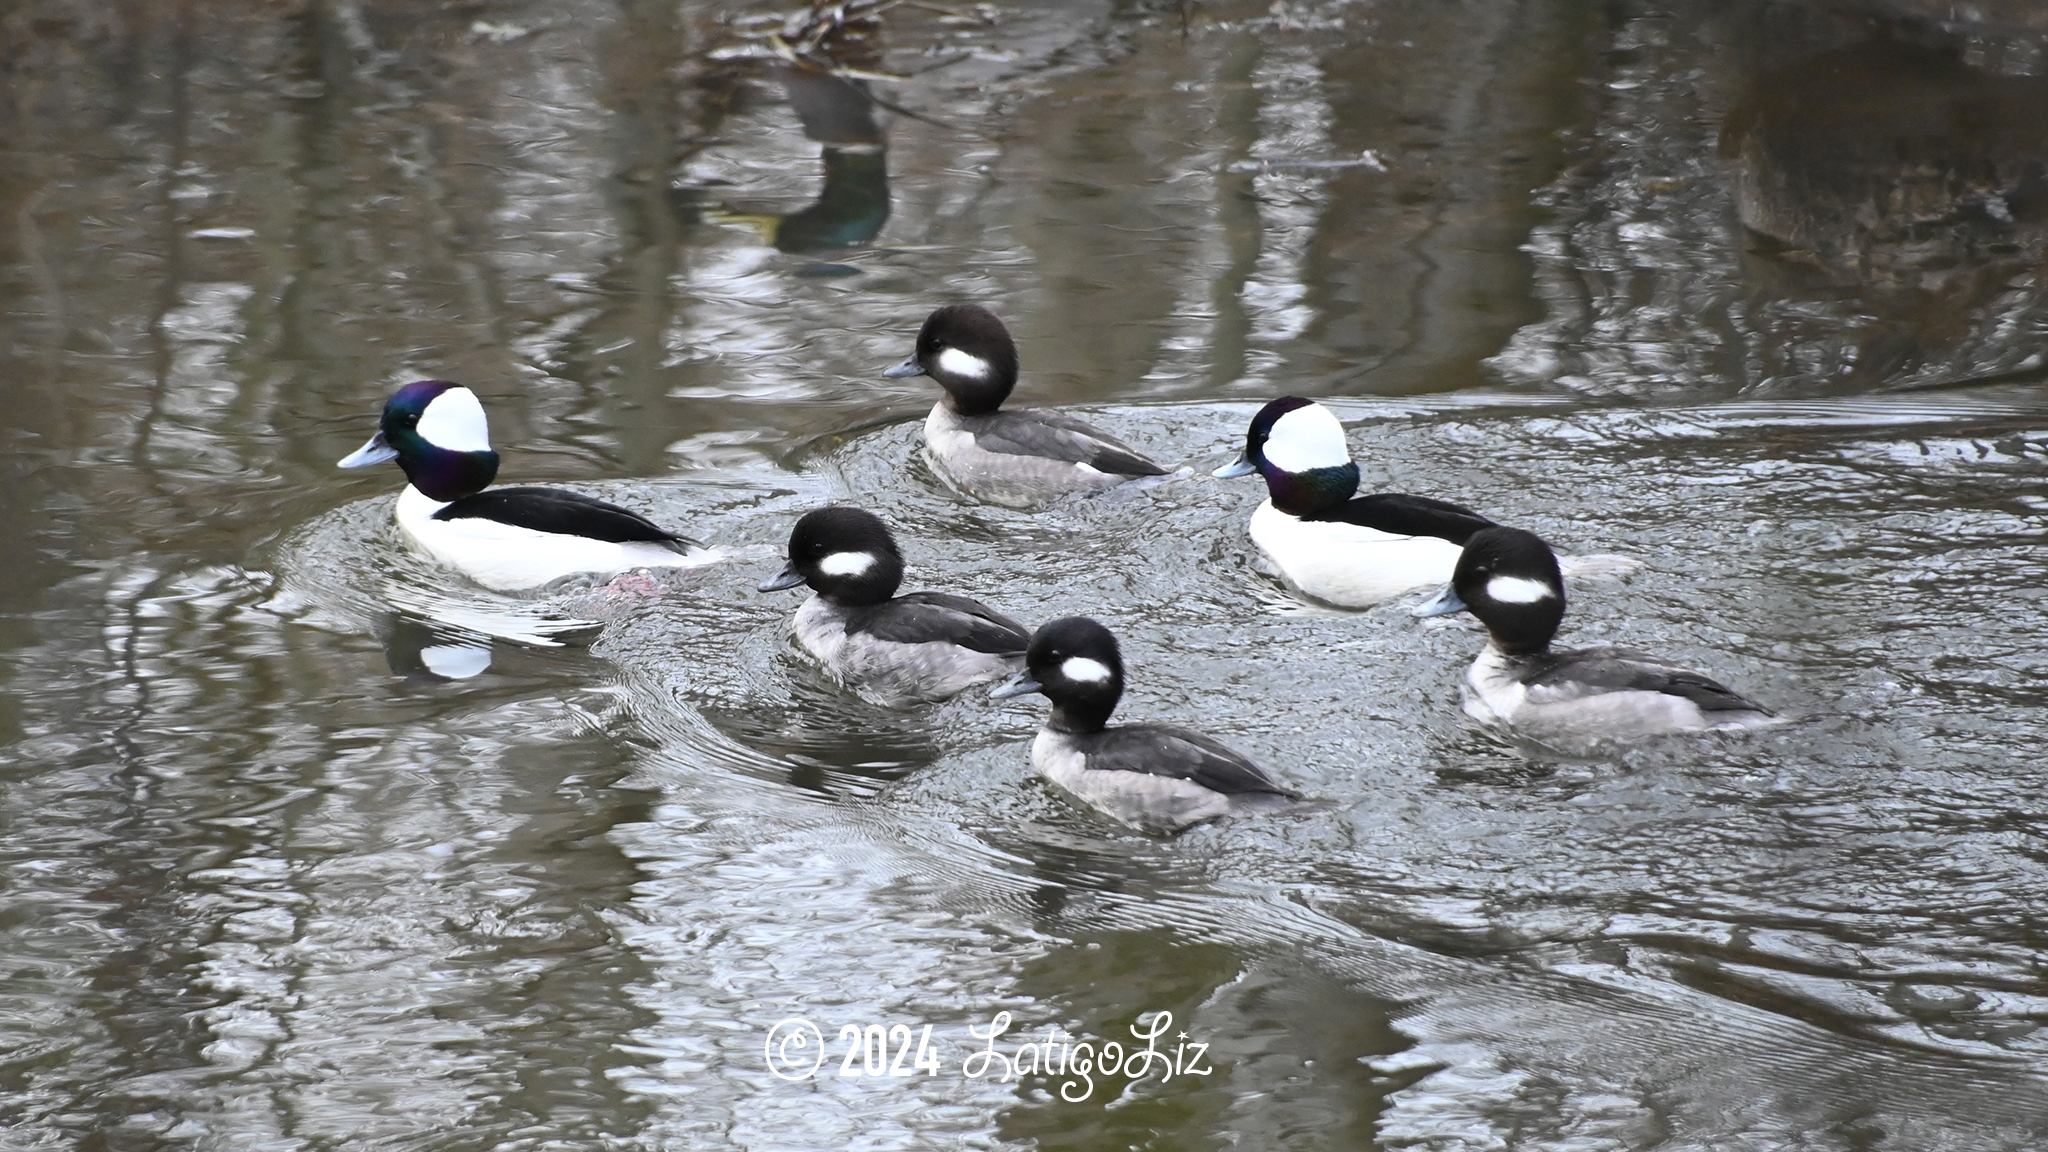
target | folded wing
[
  {"x": 562, "y": 513},
  {"x": 1059, "y": 437},
  {"x": 1623, "y": 670},
  {"x": 925, "y": 617},
  {"x": 1400, "y": 515},
  {"x": 1160, "y": 750}
]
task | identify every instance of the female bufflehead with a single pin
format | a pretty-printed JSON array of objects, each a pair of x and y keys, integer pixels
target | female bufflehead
[
  {"x": 1570, "y": 699},
  {"x": 892, "y": 650},
  {"x": 506, "y": 538},
  {"x": 1351, "y": 551},
  {"x": 1151, "y": 775},
  {"x": 1010, "y": 458}
]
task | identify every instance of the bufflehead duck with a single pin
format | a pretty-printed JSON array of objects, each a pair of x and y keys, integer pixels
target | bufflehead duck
[
  {"x": 1575, "y": 698},
  {"x": 1348, "y": 550},
  {"x": 1013, "y": 458},
  {"x": 892, "y": 650},
  {"x": 507, "y": 538},
  {"x": 1151, "y": 775}
]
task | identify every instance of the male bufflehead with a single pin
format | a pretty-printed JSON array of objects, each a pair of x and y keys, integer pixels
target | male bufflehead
[
  {"x": 506, "y": 538},
  {"x": 1567, "y": 699},
  {"x": 1151, "y": 775},
  {"x": 1351, "y": 551},
  {"x": 1013, "y": 458},
  {"x": 892, "y": 650}
]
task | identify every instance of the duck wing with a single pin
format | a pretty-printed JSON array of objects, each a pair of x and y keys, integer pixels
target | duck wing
[
  {"x": 1626, "y": 670},
  {"x": 1163, "y": 750},
  {"x": 1035, "y": 432},
  {"x": 562, "y": 513},
  {"x": 925, "y": 617},
  {"x": 1407, "y": 516}
]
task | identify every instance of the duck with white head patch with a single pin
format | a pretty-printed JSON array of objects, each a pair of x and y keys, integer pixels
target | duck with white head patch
[
  {"x": 505, "y": 538},
  {"x": 1151, "y": 775},
  {"x": 1330, "y": 543},
  {"x": 893, "y": 650},
  {"x": 1013, "y": 458},
  {"x": 1572, "y": 700}
]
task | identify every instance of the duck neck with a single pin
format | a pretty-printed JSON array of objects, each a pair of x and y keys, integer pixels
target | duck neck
[
  {"x": 1080, "y": 717},
  {"x": 1317, "y": 490},
  {"x": 976, "y": 397},
  {"x": 448, "y": 476},
  {"x": 1518, "y": 647}
]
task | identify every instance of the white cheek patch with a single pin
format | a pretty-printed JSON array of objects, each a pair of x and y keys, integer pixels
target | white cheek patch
[
  {"x": 1082, "y": 668},
  {"x": 1518, "y": 590},
  {"x": 455, "y": 420},
  {"x": 954, "y": 362},
  {"x": 1306, "y": 439},
  {"x": 846, "y": 563}
]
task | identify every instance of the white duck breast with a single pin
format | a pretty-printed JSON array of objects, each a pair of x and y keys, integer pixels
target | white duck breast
[
  {"x": 508, "y": 558},
  {"x": 894, "y": 673},
  {"x": 1579, "y": 700},
  {"x": 1350, "y": 565}
]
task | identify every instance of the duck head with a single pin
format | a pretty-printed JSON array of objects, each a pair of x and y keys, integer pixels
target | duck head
[
  {"x": 1298, "y": 446},
  {"x": 970, "y": 353},
  {"x": 1075, "y": 662},
  {"x": 436, "y": 431},
  {"x": 847, "y": 555},
  {"x": 1509, "y": 579}
]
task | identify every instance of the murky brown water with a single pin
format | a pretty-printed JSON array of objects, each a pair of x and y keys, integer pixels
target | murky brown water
[{"x": 1751, "y": 292}]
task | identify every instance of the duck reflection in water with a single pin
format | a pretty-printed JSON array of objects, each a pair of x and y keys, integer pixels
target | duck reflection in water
[
  {"x": 420, "y": 652},
  {"x": 1908, "y": 174},
  {"x": 854, "y": 203}
]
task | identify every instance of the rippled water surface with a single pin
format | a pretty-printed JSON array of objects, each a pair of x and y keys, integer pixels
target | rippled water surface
[{"x": 310, "y": 844}]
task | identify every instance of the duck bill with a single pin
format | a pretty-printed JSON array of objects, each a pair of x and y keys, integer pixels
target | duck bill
[
  {"x": 1242, "y": 466},
  {"x": 909, "y": 367},
  {"x": 1019, "y": 685},
  {"x": 375, "y": 452},
  {"x": 1444, "y": 603},
  {"x": 789, "y": 577}
]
